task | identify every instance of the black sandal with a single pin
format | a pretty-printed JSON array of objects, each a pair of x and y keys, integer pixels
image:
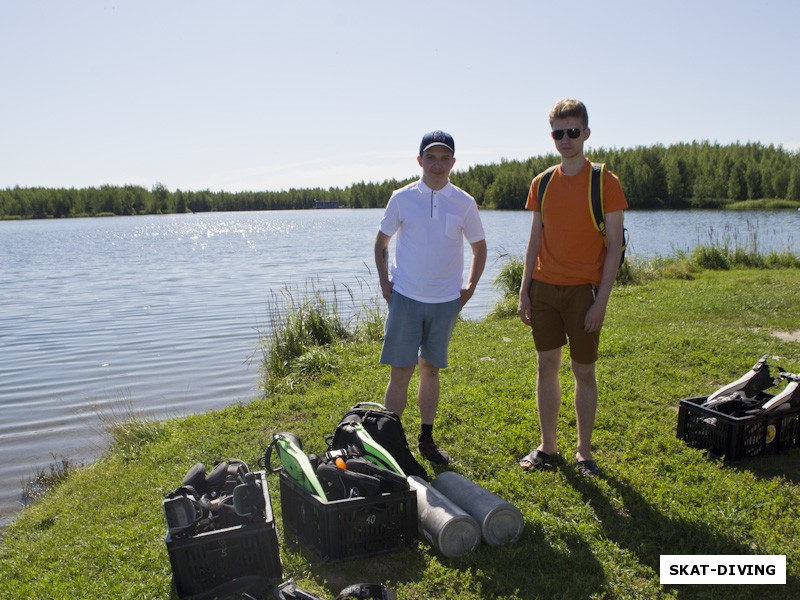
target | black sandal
[
  {"x": 589, "y": 468},
  {"x": 538, "y": 459}
]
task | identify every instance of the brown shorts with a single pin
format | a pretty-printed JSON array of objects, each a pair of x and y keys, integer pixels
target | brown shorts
[{"x": 557, "y": 313}]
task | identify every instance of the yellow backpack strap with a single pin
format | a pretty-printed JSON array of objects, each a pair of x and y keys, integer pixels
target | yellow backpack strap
[
  {"x": 596, "y": 206},
  {"x": 548, "y": 174}
]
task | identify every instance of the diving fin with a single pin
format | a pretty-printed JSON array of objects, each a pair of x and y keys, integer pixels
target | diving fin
[
  {"x": 730, "y": 402},
  {"x": 790, "y": 394},
  {"x": 750, "y": 384},
  {"x": 295, "y": 462},
  {"x": 376, "y": 453}
]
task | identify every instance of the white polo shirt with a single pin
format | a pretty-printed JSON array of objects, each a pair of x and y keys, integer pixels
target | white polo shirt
[{"x": 431, "y": 226}]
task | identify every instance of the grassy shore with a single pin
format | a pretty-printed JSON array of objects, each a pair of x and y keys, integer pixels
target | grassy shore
[{"x": 100, "y": 532}]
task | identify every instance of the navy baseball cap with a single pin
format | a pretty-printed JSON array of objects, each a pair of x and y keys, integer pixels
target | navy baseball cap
[{"x": 437, "y": 138}]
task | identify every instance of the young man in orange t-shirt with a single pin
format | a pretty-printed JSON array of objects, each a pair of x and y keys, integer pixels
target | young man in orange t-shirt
[{"x": 566, "y": 284}]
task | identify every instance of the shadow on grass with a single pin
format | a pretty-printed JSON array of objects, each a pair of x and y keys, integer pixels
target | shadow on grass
[
  {"x": 555, "y": 565},
  {"x": 530, "y": 568},
  {"x": 785, "y": 465},
  {"x": 647, "y": 533},
  {"x": 540, "y": 564},
  {"x": 536, "y": 567},
  {"x": 398, "y": 565}
]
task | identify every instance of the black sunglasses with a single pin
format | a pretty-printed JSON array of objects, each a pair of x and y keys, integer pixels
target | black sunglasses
[{"x": 573, "y": 133}]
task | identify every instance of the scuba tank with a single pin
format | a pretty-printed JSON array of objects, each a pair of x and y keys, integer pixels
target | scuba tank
[
  {"x": 448, "y": 528},
  {"x": 500, "y": 521}
]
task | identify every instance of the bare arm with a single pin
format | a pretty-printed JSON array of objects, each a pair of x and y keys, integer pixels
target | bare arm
[
  {"x": 597, "y": 312},
  {"x": 382, "y": 264},
  {"x": 531, "y": 256},
  {"x": 479, "y": 253}
]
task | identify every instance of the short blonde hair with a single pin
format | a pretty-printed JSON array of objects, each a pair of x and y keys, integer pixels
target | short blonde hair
[{"x": 569, "y": 107}]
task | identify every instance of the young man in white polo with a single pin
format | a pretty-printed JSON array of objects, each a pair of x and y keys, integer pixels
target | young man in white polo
[{"x": 431, "y": 218}]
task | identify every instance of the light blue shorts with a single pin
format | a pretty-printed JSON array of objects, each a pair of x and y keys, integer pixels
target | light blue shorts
[{"x": 415, "y": 329}]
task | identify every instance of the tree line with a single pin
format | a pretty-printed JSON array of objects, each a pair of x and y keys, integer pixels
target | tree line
[
  {"x": 688, "y": 175},
  {"x": 695, "y": 175}
]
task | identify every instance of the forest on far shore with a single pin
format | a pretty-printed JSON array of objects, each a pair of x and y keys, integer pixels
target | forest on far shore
[{"x": 688, "y": 175}]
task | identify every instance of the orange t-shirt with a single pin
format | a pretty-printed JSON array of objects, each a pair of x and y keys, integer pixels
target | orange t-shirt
[{"x": 572, "y": 251}]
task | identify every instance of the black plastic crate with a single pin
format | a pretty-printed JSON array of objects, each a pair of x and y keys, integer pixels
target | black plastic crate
[
  {"x": 736, "y": 438},
  {"x": 204, "y": 561},
  {"x": 347, "y": 529}
]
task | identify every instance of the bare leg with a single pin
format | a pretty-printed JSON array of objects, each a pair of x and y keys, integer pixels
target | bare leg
[
  {"x": 396, "y": 396},
  {"x": 585, "y": 407},
  {"x": 548, "y": 397},
  {"x": 428, "y": 396},
  {"x": 428, "y": 399}
]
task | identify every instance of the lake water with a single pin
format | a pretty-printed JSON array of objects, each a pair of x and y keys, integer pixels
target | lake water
[{"x": 162, "y": 314}]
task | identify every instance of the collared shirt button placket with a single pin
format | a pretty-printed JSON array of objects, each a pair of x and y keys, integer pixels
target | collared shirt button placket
[{"x": 434, "y": 205}]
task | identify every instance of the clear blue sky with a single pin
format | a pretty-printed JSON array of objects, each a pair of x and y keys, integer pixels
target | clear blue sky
[{"x": 268, "y": 94}]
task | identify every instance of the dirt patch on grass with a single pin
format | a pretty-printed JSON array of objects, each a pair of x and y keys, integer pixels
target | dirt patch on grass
[{"x": 790, "y": 336}]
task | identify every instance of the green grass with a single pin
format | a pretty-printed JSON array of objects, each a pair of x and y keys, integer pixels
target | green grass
[
  {"x": 46, "y": 479},
  {"x": 100, "y": 532},
  {"x": 764, "y": 204},
  {"x": 305, "y": 326}
]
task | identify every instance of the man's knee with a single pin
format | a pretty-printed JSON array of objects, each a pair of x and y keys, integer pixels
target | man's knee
[
  {"x": 584, "y": 372},
  {"x": 427, "y": 368},
  {"x": 549, "y": 361},
  {"x": 401, "y": 375}
]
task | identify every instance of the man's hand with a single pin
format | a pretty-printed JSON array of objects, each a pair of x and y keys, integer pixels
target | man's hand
[
  {"x": 524, "y": 310},
  {"x": 386, "y": 289},
  {"x": 593, "y": 321},
  {"x": 382, "y": 264},
  {"x": 479, "y": 252}
]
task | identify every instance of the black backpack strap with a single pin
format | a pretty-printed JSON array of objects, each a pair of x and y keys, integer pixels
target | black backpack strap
[
  {"x": 540, "y": 192},
  {"x": 596, "y": 205}
]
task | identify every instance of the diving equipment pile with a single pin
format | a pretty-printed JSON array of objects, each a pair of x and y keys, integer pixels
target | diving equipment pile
[
  {"x": 349, "y": 502},
  {"x": 742, "y": 419},
  {"x": 221, "y": 535}
]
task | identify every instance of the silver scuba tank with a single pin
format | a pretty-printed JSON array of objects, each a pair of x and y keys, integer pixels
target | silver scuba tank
[
  {"x": 500, "y": 521},
  {"x": 447, "y": 527}
]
